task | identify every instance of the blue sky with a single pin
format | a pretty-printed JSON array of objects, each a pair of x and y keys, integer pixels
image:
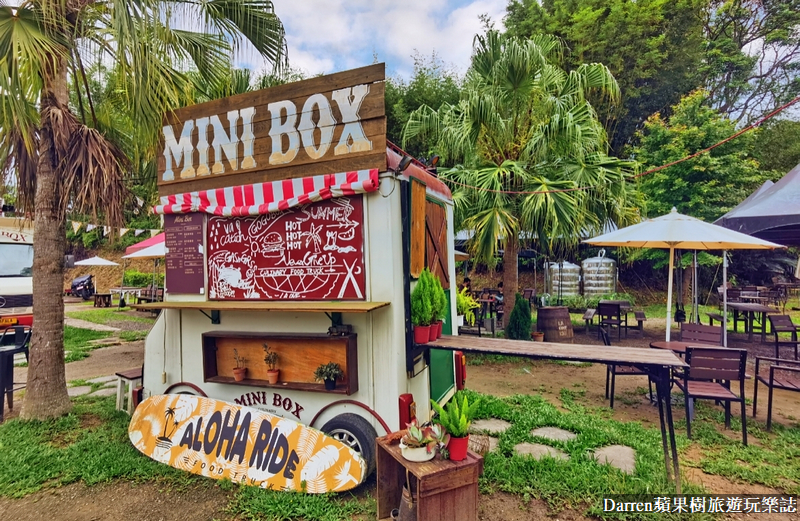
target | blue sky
[{"x": 326, "y": 36}]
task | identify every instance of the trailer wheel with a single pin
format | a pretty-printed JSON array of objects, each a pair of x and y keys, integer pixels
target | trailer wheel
[{"x": 355, "y": 432}]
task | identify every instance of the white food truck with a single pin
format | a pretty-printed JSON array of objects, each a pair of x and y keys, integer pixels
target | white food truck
[
  {"x": 292, "y": 224},
  {"x": 16, "y": 268}
]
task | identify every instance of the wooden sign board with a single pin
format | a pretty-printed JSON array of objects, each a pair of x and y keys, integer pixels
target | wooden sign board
[
  {"x": 313, "y": 252},
  {"x": 221, "y": 440},
  {"x": 184, "y": 259},
  {"x": 323, "y": 125}
]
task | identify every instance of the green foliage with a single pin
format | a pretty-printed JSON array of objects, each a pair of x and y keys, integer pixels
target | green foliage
[
  {"x": 777, "y": 146},
  {"x": 106, "y": 315},
  {"x": 465, "y": 304},
  {"x": 704, "y": 187},
  {"x": 457, "y": 417},
  {"x": 132, "y": 336},
  {"x": 270, "y": 357},
  {"x": 141, "y": 279},
  {"x": 519, "y": 323},
  {"x": 422, "y": 299},
  {"x": 329, "y": 371},
  {"x": 652, "y": 47},
  {"x": 439, "y": 301}
]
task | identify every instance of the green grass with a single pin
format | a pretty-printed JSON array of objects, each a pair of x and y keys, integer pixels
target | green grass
[
  {"x": 76, "y": 341},
  {"x": 132, "y": 336},
  {"x": 106, "y": 315},
  {"x": 90, "y": 445}
]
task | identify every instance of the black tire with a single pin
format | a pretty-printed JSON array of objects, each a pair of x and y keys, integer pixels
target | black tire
[
  {"x": 86, "y": 294},
  {"x": 355, "y": 432}
]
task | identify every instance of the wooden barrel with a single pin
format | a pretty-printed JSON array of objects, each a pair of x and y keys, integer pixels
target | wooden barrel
[{"x": 554, "y": 322}]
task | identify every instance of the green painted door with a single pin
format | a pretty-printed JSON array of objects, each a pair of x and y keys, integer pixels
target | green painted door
[{"x": 442, "y": 372}]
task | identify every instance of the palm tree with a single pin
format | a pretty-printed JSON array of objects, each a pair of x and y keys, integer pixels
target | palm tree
[
  {"x": 531, "y": 154},
  {"x": 66, "y": 162}
]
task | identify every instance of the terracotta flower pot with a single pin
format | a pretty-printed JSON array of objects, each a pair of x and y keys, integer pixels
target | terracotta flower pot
[
  {"x": 272, "y": 375},
  {"x": 537, "y": 336},
  {"x": 330, "y": 385},
  {"x": 432, "y": 334},
  {"x": 239, "y": 373},
  {"x": 422, "y": 334},
  {"x": 458, "y": 447}
]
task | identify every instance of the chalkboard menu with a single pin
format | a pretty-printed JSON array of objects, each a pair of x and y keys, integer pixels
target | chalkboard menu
[
  {"x": 313, "y": 252},
  {"x": 184, "y": 258}
]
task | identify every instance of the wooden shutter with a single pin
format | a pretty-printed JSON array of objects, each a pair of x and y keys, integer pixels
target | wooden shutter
[
  {"x": 436, "y": 242},
  {"x": 417, "y": 227}
]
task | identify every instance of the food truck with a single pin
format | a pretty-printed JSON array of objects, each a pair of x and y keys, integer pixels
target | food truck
[
  {"x": 293, "y": 227},
  {"x": 16, "y": 270}
]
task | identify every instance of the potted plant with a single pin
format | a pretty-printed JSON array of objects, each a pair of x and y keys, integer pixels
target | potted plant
[
  {"x": 271, "y": 359},
  {"x": 439, "y": 305},
  {"x": 240, "y": 370},
  {"x": 465, "y": 304},
  {"x": 418, "y": 443},
  {"x": 538, "y": 336},
  {"x": 456, "y": 419},
  {"x": 328, "y": 373},
  {"x": 421, "y": 309}
]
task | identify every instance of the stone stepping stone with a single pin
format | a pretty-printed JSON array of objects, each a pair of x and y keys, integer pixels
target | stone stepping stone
[
  {"x": 618, "y": 456},
  {"x": 554, "y": 433},
  {"x": 539, "y": 451},
  {"x": 492, "y": 425},
  {"x": 482, "y": 443},
  {"x": 107, "y": 391},
  {"x": 103, "y": 379},
  {"x": 80, "y": 390}
]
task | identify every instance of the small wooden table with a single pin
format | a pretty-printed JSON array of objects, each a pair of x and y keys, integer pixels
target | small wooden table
[
  {"x": 749, "y": 311},
  {"x": 102, "y": 300},
  {"x": 446, "y": 490}
]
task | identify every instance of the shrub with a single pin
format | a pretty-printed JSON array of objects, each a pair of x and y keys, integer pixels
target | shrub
[
  {"x": 519, "y": 323},
  {"x": 465, "y": 304},
  {"x": 422, "y": 300}
]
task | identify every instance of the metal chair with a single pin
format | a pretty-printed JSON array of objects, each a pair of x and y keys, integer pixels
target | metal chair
[
  {"x": 709, "y": 376},
  {"x": 779, "y": 381},
  {"x": 14, "y": 340},
  {"x": 612, "y": 370},
  {"x": 783, "y": 324}
]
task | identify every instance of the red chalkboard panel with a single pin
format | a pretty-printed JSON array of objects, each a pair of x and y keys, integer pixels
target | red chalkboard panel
[
  {"x": 313, "y": 252},
  {"x": 184, "y": 258}
]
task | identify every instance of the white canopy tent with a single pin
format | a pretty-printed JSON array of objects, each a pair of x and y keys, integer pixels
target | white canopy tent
[
  {"x": 96, "y": 261},
  {"x": 678, "y": 231}
]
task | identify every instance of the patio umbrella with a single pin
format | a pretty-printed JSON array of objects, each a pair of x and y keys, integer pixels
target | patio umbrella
[
  {"x": 96, "y": 261},
  {"x": 677, "y": 231}
]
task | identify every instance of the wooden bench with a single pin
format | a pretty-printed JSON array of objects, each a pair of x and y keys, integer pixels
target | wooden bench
[
  {"x": 102, "y": 300},
  {"x": 588, "y": 317},
  {"x": 714, "y": 316},
  {"x": 127, "y": 381},
  {"x": 640, "y": 320}
]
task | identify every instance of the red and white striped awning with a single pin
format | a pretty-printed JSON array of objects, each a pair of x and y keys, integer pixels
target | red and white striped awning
[{"x": 261, "y": 198}]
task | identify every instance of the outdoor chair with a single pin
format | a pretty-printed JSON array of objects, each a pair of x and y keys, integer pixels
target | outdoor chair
[
  {"x": 14, "y": 340},
  {"x": 610, "y": 315},
  {"x": 783, "y": 324},
  {"x": 734, "y": 295},
  {"x": 529, "y": 294},
  {"x": 709, "y": 376},
  {"x": 612, "y": 370},
  {"x": 700, "y": 334},
  {"x": 787, "y": 382}
]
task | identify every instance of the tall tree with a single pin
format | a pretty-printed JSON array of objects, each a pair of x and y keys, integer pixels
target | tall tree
[
  {"x": 64, "y": 162},
  {"x": 704, "y": 187},
  {"x": 652, "y": 47},
  {"x": 777, "y": 146},
  {"x": 752, "y": 57},
  {"x": 523, "y": 124}
]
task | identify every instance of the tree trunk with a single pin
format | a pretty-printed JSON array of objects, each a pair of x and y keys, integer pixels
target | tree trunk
[
  {"x": 46, "y": 393},
  {"x": 510, "y": 277}
]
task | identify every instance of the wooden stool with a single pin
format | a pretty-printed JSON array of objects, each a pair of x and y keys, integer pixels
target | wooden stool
[
  {"x": 102, "y": 300},
  {"x": 130, "y": 378}
]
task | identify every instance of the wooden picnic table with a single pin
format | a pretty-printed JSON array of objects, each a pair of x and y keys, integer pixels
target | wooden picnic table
[
  {"x": 657, "y": 364},
  {"x": 749, "y": 311}
]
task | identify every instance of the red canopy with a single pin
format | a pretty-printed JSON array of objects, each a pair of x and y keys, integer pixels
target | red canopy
[{"x": 145, "y": 243}]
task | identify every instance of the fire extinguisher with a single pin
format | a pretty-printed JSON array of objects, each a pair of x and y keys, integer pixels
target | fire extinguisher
[{"x": 461, "y": 369}]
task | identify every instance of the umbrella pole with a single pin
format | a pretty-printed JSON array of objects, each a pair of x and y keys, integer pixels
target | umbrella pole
[
  {"x": 725, "y": 298},
  {"x": 669, "y": 290},
  {"x": 695, "y": 304}
]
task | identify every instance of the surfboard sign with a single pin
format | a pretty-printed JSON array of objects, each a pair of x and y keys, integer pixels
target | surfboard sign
[{"x": 222, "y": 440}]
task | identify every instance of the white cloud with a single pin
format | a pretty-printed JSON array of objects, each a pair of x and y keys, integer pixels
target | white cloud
[{"x": 326, "y": 36}]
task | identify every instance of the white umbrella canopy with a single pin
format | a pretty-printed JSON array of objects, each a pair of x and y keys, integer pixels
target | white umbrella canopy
[
  {"x": 96, "y": 261},
  {"x": 151, "y": 252},
  {"x": 676, "y": 230}
]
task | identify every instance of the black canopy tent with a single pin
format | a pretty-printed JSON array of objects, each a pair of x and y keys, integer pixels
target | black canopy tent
[{"x": 772, "y": 212}]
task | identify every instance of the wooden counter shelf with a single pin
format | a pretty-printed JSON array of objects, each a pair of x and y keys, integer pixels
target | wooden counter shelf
[
  {"x": 299, "y": 354},
  {"x": 328, "y": 306}
]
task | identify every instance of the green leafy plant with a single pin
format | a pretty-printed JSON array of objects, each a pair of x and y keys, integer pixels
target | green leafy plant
[
  {"x": 330, "y": 371},
  {"x": 439, "y": 299},
  {"x": 519, "y": 323},
  {"x": 417, "y": 437},
  {"x": 270, "y": 357},
  {"x": 422, "y": 301},
  {"x": 465, "y": 304},
  {"x": 458, "y": 416}
]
